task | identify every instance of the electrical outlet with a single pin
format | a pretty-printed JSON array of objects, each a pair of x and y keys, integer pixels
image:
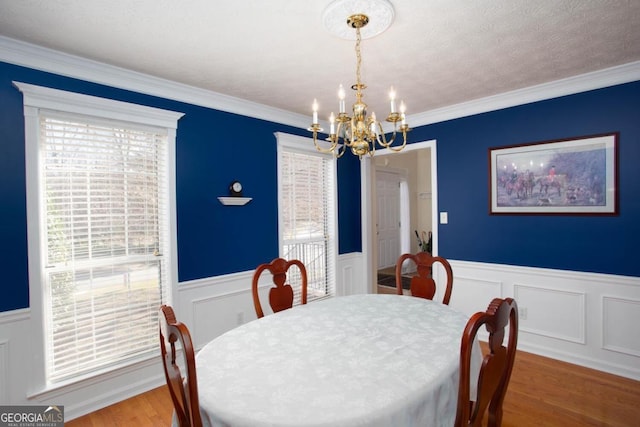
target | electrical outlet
[{"x": 523, "y": 313}]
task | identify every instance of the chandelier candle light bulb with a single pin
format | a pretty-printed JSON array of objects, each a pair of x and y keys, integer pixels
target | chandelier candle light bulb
[
  {"x": 392, "y": 97},
  {"x": 360, "y": 133},
  {"x": 314, "y": 106}
]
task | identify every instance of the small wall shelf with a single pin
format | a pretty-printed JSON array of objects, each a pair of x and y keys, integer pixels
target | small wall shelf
[{"x": 234, "y": 201}]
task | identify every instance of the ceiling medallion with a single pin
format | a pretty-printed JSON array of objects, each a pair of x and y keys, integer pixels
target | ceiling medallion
[{"x": 379, "y": 12}]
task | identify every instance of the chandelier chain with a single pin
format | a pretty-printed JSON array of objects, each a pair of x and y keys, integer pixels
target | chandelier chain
[{"x": 358, "y": 59}]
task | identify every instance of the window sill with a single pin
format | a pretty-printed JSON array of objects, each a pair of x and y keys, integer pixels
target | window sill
[{"x": 51, "y": 391}]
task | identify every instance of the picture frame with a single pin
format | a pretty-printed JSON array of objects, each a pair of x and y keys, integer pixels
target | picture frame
[{"x": 574, "y": 176}]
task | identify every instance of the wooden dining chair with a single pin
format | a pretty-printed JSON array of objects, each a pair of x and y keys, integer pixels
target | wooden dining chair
[
  {"x": 423, "y": 285},
  {"x": 280, "y": 295},
  {"x": 183, "y": 390},
  {"x": 496, "y": 367}
]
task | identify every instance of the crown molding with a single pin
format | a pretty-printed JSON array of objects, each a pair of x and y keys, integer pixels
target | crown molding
[
  {"x": 40, "y": 58},
  {"x": 625, "y": 73}
]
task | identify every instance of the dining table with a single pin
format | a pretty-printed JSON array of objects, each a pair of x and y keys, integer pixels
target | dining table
[{"x": 361, "y": 360}]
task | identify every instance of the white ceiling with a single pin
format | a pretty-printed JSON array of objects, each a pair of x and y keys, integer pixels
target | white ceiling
[{"x": 436, "y": 53}]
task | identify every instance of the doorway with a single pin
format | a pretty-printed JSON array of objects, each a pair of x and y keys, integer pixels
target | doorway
[
  {"x": 418, "y": 164},
  {"x": 389, "y": 213},
  {"x": 392, "y": 218}
]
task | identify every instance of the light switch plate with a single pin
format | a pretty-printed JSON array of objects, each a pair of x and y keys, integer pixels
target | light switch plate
[{"x": 444, "y": 217}]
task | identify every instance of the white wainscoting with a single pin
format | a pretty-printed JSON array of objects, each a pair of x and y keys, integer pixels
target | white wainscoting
[
  {"x": 215, "y": 305},
  {"x": 551, "y": 312},
  {"x": 583, "y": 318},
  {"x": 14, "y": 355},
  {"x": 350, "y": 275},
  {"x": 617, "y": 312},
  {"x": 4, "y": 371}
]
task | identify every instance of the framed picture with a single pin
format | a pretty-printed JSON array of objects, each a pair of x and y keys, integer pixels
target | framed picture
[{"x": 577, "y": 176}]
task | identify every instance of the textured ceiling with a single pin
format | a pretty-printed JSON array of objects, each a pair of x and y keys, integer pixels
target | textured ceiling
[{"x": 436, "y": 53}]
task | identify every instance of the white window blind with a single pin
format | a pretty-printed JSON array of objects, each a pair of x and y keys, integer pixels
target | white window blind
[
  {"x": 307, "y": 218},
  {"x": 104, "y": 202}
]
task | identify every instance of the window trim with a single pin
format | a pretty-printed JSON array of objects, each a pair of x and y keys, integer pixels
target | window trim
[
  {"x": 35, "y": 99},
  {"x": 300, "y": 144}
]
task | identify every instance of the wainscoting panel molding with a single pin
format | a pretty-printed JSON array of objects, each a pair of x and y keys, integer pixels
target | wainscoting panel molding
[
  {"x": 470, "y": 295},
  {"x": 214, "y": 305},
  {"x": 617, "y": 313},
  {"x": 4, "y": 371},
  {"x": 350, "y": 275},
  {"x": 589, "y": 319},
  {"x": 215, "y": 315},
  {"x": 552, "y": 313},
  {"x": 347, "y": 280}
]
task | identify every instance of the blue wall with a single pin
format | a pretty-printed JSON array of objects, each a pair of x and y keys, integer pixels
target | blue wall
[
  {"x": 210, "y": 152},
  {"x": 214, "y": 239},
  {"x": 603, "y": 244}
]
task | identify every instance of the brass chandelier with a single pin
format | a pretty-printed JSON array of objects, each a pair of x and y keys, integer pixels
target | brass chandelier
[{"x": 360, "y": 132}]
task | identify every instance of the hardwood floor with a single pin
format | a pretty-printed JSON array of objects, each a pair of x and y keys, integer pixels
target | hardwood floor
[
  {"x": 150, "y": 409},
  {"x": 542, "y": 392},
  {"x": 547, "y": 392}
]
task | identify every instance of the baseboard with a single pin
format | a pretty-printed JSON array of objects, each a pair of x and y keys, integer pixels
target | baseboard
[
  {"x": 587, "y": 362},
  {"x": 113, "y": 396}
]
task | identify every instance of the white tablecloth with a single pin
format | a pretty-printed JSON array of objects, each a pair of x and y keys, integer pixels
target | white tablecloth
[{"x": 362, "y": 360}]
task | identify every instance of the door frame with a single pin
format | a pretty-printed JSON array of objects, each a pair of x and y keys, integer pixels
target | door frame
[{"x": 369, "y": 237}]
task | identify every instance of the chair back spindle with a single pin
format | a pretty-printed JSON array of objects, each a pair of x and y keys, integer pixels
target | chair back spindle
[
  {"x": 183, "y": 389},
  {"x": 496, "y": 367},
  {"x": 281, "y": 295},
  {"x": 423, "y": 285}
]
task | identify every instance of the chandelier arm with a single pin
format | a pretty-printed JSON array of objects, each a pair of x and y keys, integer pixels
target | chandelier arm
[
  {"x": 404, "y": 141},
  {"x": 341, "y": 149},
  {"x": 372, "y": 150},
  {"x": 380, "y": 132},
  {"x": 334, "y": 144},
  {"x": 389, "y": 142},
  {"x": 339, "y": 128}
]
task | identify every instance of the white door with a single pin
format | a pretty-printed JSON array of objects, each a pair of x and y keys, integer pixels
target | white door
[{"x": 388, "y": 192}]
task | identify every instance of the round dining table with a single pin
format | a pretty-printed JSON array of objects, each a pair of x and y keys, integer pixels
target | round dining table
[{"x": 361, "y": 360}]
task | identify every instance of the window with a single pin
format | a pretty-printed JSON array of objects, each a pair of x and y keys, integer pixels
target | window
[
  {"x": 99, "y": 190},
  {"x": 307, "y": 212}
]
